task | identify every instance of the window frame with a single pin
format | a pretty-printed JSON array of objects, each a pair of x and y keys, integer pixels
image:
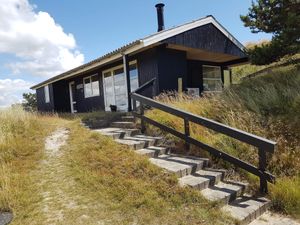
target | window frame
[
  {"x": 47, "y": 94},
  {"x": 213, "y": 79},
  {"x": 90, "y": 79},
  {"x": 110, "y": 70}
]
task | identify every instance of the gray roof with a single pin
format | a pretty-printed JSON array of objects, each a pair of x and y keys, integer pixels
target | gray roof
[{"x": 139, "y": 45}]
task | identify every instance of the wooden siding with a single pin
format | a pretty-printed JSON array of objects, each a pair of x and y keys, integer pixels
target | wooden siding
[
  {"x": 172, "y": 64},
  {"x": 147, "y": 63},
  {"x": 41, "y": 104},
  {"x": 195, "y": 77},
  {"x": 206, "y": 37},
  {"x": 61, "y": 96}
]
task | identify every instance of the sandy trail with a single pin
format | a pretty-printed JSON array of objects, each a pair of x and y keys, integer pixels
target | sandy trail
[{"x": 62, "y": 202}]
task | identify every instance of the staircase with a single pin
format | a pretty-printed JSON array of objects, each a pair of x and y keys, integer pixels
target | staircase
[{"x": 191, "y": 171}]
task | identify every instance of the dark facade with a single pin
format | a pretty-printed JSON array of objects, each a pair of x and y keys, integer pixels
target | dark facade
[{"x": 180, "y": 56}]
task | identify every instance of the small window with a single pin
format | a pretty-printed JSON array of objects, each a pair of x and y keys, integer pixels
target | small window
[
  {"x": 91, "y": 86},
  {"x": 47, "y": 96},
  {"x": 134, "y": 80},
  {"x": 212, "y": 80}
]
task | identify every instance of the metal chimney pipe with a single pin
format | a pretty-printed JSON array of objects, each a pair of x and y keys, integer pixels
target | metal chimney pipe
[{"x": 160, "y": 16}]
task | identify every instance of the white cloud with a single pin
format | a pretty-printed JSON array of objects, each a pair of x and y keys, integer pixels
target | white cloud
[
  {"x": 11, "y": 91},
  {"x": 40, "y": 44}
]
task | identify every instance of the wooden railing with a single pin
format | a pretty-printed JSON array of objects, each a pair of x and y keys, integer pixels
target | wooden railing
[{"x": 263, "y": 145}]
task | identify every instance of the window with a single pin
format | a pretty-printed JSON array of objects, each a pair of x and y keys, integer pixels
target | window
[
  {"x": 47, "y": 96},
  {"x": 91, "y": 86},
  {"x": 212, "y": 80},
  {"x": 134, "y": 82}
]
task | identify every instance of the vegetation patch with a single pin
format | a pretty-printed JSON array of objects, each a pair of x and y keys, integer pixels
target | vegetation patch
[
  {"x": 130, "y": 188},
  {"x": 267, "y": 106},
  {"x": 22, "y": 137}
]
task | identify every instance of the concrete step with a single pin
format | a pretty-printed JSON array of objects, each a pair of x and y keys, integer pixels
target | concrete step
[
  {"x": 123, "y": 124},
  {"x": 134, "y": 145},
  {"x": 117, "y": 133},
  {"x": 128, "y": 118},
  {"x": 224, "y": 192},
  {"x": 149, "y": 141},
  {"x": 201, "y": 179},
  {"x": 152, "y": 151},
  {"x": 246, "y": 209},
  {"x": 180, "y": 165}
]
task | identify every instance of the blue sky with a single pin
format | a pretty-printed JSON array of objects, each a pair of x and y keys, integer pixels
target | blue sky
[
  {"x": 101, "y": 26},
  {"x": 42, "y": 38}
]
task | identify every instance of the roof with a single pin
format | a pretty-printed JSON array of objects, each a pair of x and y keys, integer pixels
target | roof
[{"x": 140, "y": 44}]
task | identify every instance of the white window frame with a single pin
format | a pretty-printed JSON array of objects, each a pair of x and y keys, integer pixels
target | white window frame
[
  {"x": 111, "y": 72},
  {"x": 47, "y": 94},
  {"x": 214, "y": 79},
  {"x": 84, "y": 91}
]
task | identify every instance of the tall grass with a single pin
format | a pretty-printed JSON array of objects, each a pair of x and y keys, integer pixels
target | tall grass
[
  {"x": 131, "y": 189},
  {"x": 21, "y": 144},
  {"x": 267, "y": 106}
]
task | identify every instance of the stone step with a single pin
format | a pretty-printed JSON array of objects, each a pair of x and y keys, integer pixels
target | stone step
[
  {"x": 224, "y": 192},
  {"x": 134, "y": 145},
  {"x": 180, "y": 165},
  {"x": 117, "y": 133},
  {"x": 123, "y": 124},
  {"x": 152, "y": 151},
  {"x": 149, "y": 141},
  {"x": 201, "y": 179},
  {"x": 246, "y": 209},
  {"x": 128, "y": 118}
]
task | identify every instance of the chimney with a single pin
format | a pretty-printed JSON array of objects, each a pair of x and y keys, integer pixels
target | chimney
[{"x": 160, "y": 16}]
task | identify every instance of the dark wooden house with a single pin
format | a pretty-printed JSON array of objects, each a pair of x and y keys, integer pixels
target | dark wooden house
[{"x": 198, "y": 53}]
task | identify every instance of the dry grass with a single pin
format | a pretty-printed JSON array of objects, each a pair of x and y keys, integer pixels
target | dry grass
[
  {"x": 131, "y": 189},
  {"x": 267, "y": 106},
  {"x": 91, "y": 180},
  {"x": 21, "y": 143}
]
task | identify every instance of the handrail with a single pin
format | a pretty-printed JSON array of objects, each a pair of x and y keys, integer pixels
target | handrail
[
  {"x": 144, "y": 86},
  {"x": 262, "y": 144}
]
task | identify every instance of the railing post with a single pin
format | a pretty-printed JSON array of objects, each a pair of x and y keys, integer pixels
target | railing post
[
  {"x": 186, "y": 133},
  {"x": 262, "y": 164},
  {"x": 143, "y": 127}
]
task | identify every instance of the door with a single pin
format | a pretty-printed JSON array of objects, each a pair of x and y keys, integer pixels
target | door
[
  {"x": 72, "y": 91},
  {"x": 115, "y": 89}
]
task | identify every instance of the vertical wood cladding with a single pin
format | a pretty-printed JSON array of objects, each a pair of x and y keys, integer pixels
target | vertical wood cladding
[
  {"x": 148, "y": 69},
  {"x": 61, "y": 96},
  {"x": 41, "y": 104},
  {"x": 206, "y": 37},
  {"x": 195, "y": 77},
  {"x": 172, "y": 64}
]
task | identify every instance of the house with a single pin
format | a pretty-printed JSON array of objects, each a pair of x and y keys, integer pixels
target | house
[{"x": 199, "y": 53}]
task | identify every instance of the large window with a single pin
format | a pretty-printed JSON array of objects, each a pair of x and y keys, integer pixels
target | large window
[
  {"x": 115, "y": 85},
  {"x": 47, "y": 95},
  {"x": 212, "y": 80},
  {"x": 91, "y": 86}
]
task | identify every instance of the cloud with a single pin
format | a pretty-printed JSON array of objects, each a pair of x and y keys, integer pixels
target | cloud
[
  {"x": 40, "y": 44},
  {"x": 11, "y": 91}
]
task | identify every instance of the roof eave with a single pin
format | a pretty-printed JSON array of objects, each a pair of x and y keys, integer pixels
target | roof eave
[{"x": 137, "y": 45}]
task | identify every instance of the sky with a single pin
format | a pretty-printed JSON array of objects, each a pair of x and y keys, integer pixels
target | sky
[{"x": 43, "y": 38}]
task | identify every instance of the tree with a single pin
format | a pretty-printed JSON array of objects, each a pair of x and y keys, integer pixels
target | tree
[
  {"x": 280, "y": 18},
  {"x": 29, "y": 102}
]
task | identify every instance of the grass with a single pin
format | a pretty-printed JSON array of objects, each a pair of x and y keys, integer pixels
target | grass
[
  {"x": 268, "y": 106},
  {"x": 128, "y": 185},
  {"x": 240, "y": 72},
  {"x": 91, "y": 179},
  {"x": 21, "y": 143}
]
